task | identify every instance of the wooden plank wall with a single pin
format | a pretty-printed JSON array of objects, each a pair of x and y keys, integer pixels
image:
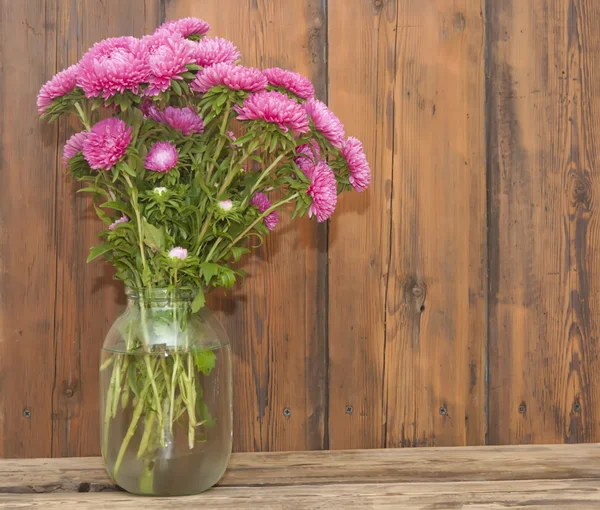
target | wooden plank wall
[{"x": 453, "y": 303}]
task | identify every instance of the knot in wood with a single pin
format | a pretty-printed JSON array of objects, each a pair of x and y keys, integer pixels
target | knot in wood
[
  {"x": 581, "y": 191},
  {"x": 417, "y": 291}
]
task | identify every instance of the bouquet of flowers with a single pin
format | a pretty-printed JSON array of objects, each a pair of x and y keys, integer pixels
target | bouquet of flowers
[{"x": 188, "y": 155}]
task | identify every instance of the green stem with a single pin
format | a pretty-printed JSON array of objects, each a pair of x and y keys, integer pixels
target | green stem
[
  {"x": 155, "y": 396},
  {"x": 107, "y": 410},
  {"x": 172, "y": 396},
  {"x": 146, "y": 436},
  {"x": 259, "y": 218},
  {"x": 117, "y": 387},
  {"x": 137, "y": 412},
  {"x": 266, "y": 171},
  {"x": 212, "y": 250},
  {"x": 136, "y": 209},
  {"x": 221, "y": 141},
  {"x": 191, "y": 394},
  {"x": 83, "y": 117},
  {"x": 203, "y": 231}
]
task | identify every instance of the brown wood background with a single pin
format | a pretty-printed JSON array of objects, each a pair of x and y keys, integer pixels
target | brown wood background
[{"x": 457, "y": 302}]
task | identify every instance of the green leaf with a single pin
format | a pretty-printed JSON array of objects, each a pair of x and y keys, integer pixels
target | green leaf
[
  {"x": 132, "y": 380},
  {"x": 208, "y": 270},
  {"x": 93, "y": 189},
  {"x": 116, "y": 205},
  {"x": 205, "y": 361},
  {"x": 176, "y": 87},
  {"x": 126, "y": 168},
  {"x": 154, "y": 237},
  {"x": 238, "y": 251},
  {"x": 96, "y": 251},
  {"x": 198, "y": 301},
  {"x": 102, "y": 215}
]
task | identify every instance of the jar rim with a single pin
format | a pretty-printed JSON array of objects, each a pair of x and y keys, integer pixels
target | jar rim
[{"x": 160, "y": 294}]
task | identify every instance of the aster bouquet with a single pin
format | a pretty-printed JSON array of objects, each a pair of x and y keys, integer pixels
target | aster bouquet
[{"x": 189, "y": 157}]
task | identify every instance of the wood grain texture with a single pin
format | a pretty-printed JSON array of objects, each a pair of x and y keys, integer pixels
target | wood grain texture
[
  {"x": 87, "y": 299},
  {"x": 276, "y": 321},
  {"x": 435, "y": 291},
  {"x": 561, "y": 476},
  {"x": 459, "y": 464},
  {"x": 544, "y": 285},
  {"x": 536, "y": 494},
  {"x": 361, "y": 94},
  {"x": 28, "y": 159},
  {"x": 411, "y": 316}
]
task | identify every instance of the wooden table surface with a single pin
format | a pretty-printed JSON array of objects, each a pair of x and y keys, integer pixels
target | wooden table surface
[{"x": 560, "y": 476}]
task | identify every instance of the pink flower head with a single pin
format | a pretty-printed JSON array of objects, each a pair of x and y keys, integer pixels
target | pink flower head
[
  {"x": 360, "y": 173},
  {"x": 168, "y": 56},
  {"x": 274, "y": 107},
  {"x": 185, "y": 26},
  {"x": 311, "y": 155},
  {"x": 291, "y": 81},
  {"x": 73, "y": 146},
  {"x": 178, "y": 253},
  {"x": 323, "y": 191},
  {"x": 106, "y": 143},
  {"x": 185, "y": 120},
  {"x": 215, "y": 50},
  {"x": 326, "y": 122},
  {"x": 232, "y": 76},
  {"x": 113, "y": 65},
  {"x": 262, "y": 203},
  {"x": 122, "y": 219},
  {"x": 62, "y": 83},
  {"x": 162, "y": 157}
]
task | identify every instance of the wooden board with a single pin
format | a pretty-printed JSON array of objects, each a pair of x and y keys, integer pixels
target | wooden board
[
  {"x": 544, "y": 300},
  {"x": 28, "y": 159},
  {"x": 407, "y": 293},
  {"x": 87, "y": 299},
  {"x": 361, "y": 76},
  {"x": 276, "y": 321},
  {"x": 562, "y": 476},
  {"x": 536, "y": 494},
  {"x": 465, "y": 464}
]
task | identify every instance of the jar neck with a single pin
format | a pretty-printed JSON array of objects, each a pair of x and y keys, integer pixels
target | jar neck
[{"x": 160, "y": 298}]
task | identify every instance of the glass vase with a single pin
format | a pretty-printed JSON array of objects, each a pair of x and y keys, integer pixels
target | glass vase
[{"x": 165, "y": 396}]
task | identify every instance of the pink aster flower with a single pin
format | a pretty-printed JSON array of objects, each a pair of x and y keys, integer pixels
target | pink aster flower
[
  {"x": 178, "y": 253},
  {"x": 162, "y": 157},
  {"x": 185, "y": 120},
  {"x": 233, "y": 77},
  {"x": 106, "y": 143},
  {"x": 215, "y": 50},
  {"x": 168, "y": 56},
  {"x": 60, "y": 84},
  {"x": 113, "y": 65},
  {"x": 186, "y": 26},
  {"x": 262, "y": 203},
  {"x": 274, "y": 107},
  {"x": 310, "y": 156},
  {"x": 326, "y": 122},
  {"x": 73, "y": 146},
  {"x": 122, "y": 219},
  {"x": 360, "y": 173},
  {"x": 323, "y": 191},
  {"x": 291, "y": 81}
]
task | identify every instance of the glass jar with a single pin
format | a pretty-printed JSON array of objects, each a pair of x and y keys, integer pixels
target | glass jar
[{"x": 165, "y": 396}]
